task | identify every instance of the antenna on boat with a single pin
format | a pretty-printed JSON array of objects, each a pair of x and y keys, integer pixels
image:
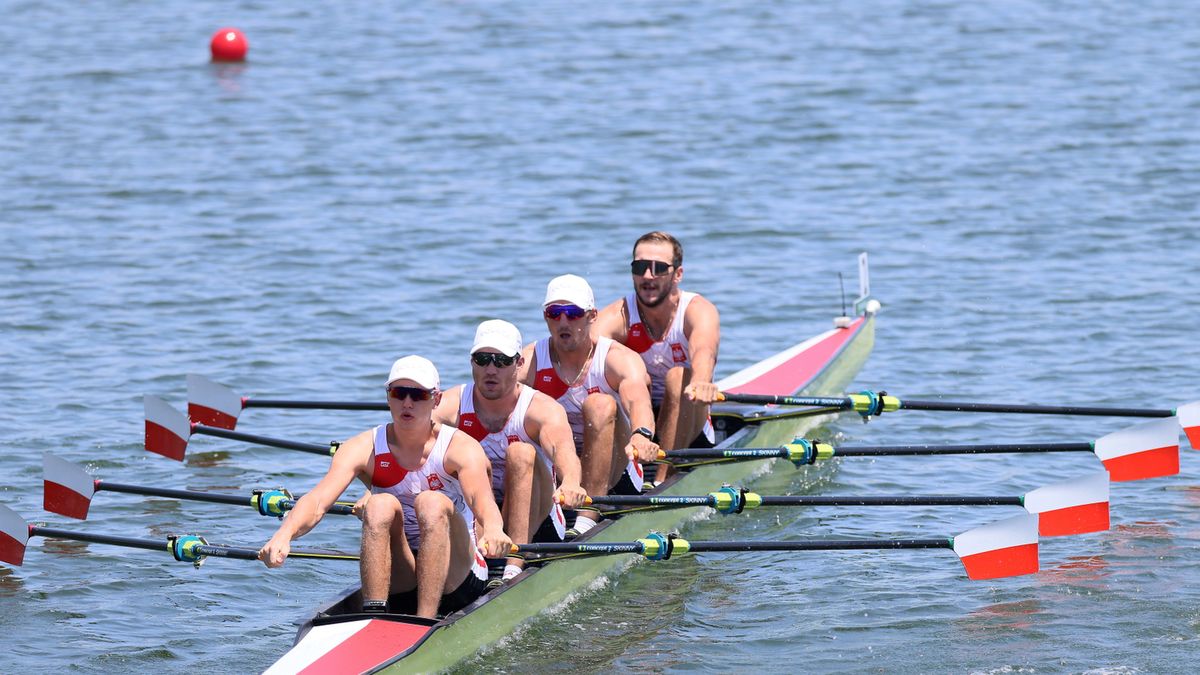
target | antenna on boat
[{"x": 843, "y": 320}]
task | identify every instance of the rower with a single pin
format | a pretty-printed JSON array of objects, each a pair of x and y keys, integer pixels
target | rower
[
  {"x": 525, "y": 435},
  {"x": 603, "y": 386},
  {"x": 677, "y": 334},
  {"x": 428, "y": 487}
]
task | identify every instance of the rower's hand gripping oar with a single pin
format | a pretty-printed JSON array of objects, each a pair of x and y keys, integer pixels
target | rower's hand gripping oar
[
  {"x": 1002, "y": 549},
  {"x": 68, "y": 491},
  {"x": 872, "y": 404},
  {"x": 1147, "y": 450},
  {"x": 15, "y": 533},
  {"x": 1077, "y": 506},
  {"x": 218, "y": 406},
  {"x": 168, "y": 431}
]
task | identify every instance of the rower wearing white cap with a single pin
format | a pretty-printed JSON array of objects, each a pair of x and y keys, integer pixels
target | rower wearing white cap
[
  {"x": 429, "y": 485},
  {"x": 677, "y": 333},
  {"x": 525, "y": 435},
  {"x": 604, "y": 387}
]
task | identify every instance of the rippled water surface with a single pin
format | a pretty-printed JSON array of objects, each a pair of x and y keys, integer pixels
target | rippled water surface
[{"x": 378, "y": 179}]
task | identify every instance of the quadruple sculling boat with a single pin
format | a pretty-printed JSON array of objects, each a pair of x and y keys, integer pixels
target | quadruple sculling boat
[{"x": 338, "y": 638}]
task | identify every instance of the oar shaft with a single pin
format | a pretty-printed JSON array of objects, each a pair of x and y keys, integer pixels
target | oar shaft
[
  {"x": 958, "y": 406},
  {"x": 127, "y": 542},
  {"x": 173, "y": 494},
  {"x": 874, "y": 450},
  {"x": 819, "y": 545},
  {"x": 840, "y": 403},
  {"x": 890, "y": 500},
  {"x": 262, "y": 440},
  {"x": 735, "y": 453},
  {"x": 218, "y": 551},
  {"x": 314, "y": 405}
]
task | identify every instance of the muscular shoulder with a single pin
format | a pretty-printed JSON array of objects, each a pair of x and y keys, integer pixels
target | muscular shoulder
[
  {"x": 356, "y": 452},
  {"x": 701, "y": 313},
  {"x": 624, "y": 362},
  {"x": 447, "y": 410},
  {"x": 528, "y": 365},
  {"x": 543, "y": 408},
  {"x": 463, "y": 450},
  {"x": 613, "y": 321}
]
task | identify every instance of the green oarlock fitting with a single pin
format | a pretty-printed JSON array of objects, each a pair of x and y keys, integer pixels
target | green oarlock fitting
[
  {"x": 799, "y": 452},
  {"x": 752, "y": 500},
  {"x": 183, "y": 547},
  {"x": 727, "y": 500},
  {"x": 271, "y": 502}
]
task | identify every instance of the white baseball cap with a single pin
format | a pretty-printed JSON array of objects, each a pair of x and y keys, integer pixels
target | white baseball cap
[
  {"x": 499, "y": 335},
  {"x": 416, "y": 368},
  {"x": 572, "y": 289}
]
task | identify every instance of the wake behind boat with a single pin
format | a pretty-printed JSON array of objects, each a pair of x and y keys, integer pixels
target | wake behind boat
[{"x": 339, "y": 638}]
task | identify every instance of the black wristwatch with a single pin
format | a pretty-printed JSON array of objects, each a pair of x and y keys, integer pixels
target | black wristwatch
[{"x": 643, "y": 431}]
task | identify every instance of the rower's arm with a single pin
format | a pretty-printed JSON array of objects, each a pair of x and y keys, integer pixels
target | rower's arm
[
  {"x": 612, "y": 322},
  {"x": 348, "y": 462},
  {"x": 447, "y": 411},
  {"x": 547, "y": 422},
  {"x": 527, "y": 366},
  {"x": 702, "y": 326},
  {"x": 466, "y": 461},
  {"x": 626, "y": 367}
]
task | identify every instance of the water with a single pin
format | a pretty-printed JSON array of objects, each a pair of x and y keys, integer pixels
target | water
[{"x": 378, "y": 179}]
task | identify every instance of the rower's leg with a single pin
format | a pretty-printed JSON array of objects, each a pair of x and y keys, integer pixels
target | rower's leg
[
  {"x": 438, "y": 571},
  {"x": 386, "y": 563},
  {"x": 520, "y": 459},
  {"x": 668, "y": 417},
  {"x": 597, "y": 459},
  {"x": 692, "y": 415}
]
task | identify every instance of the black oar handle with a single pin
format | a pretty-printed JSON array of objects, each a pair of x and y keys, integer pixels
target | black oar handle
[
  {"x": 173, "y": 494},
  {"x": 314, "y": 405},
  {"x": 313, "y": 448},
  {"x": 819, "y": 545},
  {"x": 867, "y": 451},
  {"x": 958, "y": 406}
]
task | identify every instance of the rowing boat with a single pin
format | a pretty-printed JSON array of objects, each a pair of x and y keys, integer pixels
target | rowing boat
[{"x": 338, "y": 638}]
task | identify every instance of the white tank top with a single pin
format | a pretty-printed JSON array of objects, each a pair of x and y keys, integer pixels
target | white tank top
[
  {"x": 672, "y": 350},
  {"x": 388, "y": 476},
  {"x": 495, "y": 444},
  {"x": 663, "y": 355},
  {"x": 547, "y": 381}
]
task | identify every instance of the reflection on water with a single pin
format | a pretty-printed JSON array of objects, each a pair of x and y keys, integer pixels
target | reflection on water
[{"x": 228, "y": 75}]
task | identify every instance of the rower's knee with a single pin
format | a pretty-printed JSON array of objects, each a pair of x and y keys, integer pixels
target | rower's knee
[
  {"x": 432, "y": 509},
  {"x": 599, "y": 409},
  {"x": 519, "y": 455},
  {"x": 380, "y": 512}
]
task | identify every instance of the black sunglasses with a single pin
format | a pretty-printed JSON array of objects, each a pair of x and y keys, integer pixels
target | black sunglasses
[
  {"x": 415, "y": 393},
  {"x": 656, "y": 267},
  {"x": 485, "y": 359}
]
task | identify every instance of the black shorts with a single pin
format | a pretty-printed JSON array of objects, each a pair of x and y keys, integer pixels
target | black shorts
[
  {"x": 544, "y": 533},
  {"x": 471, "y": 588}
]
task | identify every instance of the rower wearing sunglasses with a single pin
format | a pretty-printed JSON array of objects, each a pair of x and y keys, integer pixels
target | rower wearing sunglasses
[
  {"x": 429, "y": 493},
  {"x": 604, "y": 388},
  {"x": 525, "y": 435},
  {"x": 677, "y": 334}
]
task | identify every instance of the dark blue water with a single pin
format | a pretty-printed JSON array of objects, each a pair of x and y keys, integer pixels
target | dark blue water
[{"x": 378, "y": 179}]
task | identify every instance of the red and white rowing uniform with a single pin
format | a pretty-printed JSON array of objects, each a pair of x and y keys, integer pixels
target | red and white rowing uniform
[
  {"x": 662, "y": 355},
  {"x": 388, "y": 476},
  {"x": 547, "y": 381},
  {"x": 495, "y": 444}
]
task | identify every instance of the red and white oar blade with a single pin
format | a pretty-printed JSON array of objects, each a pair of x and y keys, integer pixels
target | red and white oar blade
[
  {"x": 1147, "y": 450},
  {"x": 212, "y": 404},
  {"x": 68, "y": 488},
  {"x": 1072, "y": 507},
  {"x": 14, "y": 534},
  {"x": 167, "y": 429},
  {"x": 1006, "y": 548},
  {"x": 1189, "y": 419}
]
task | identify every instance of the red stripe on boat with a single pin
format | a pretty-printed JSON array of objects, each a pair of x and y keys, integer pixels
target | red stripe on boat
[
  {"x": 376, "y": 643},
  {"x": 211, "y": 417},
  {"x": 1073, "y": 520},
  {"x": 163, "y": 441},
  {"x": 65, "y": 501},
  {"x": 1146, "y": 464},
  {"x": 1193, "y": 436},
  {"x": 793, "y": 374},
  {"x": 1003, "y": 562},
  {"x": 11, "y": 550}
]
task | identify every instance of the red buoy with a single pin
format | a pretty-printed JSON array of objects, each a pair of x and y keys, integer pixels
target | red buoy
[{"x": 229, "y": 44}]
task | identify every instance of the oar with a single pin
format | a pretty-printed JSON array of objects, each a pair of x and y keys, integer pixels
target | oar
[
  {"x": 869, "y": 403},
  {"x": 68, "y": 491},
  {"x": 1002, "y": 549},
  {"x": 219, "y": 406},
  {"x": 1147, "y": 450},
  {"x": 168, "y": 431},
  {"x": 15, "y": 533},
  {"x": 1077, "y": 506}
]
